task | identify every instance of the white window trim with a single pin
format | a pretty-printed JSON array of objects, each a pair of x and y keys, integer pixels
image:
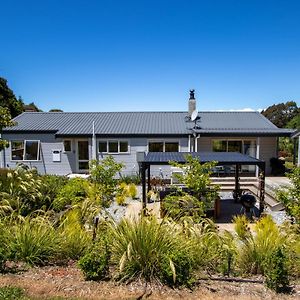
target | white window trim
[
  {"x": 67, "y": 151},
  {"x": 164, "y": 143},
  {"x": 24, "y": 141},
  {"x": 114, "y": 140}
]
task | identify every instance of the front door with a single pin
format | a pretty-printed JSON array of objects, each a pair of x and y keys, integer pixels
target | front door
[{"x": 82, "y": 155}]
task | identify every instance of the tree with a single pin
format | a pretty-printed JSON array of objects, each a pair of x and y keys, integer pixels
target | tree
[
  {"x": 280, "y": 114},
  {"x": 9, "y": 100},
  {"x": 5, "y": 120},
  {"x": 55, "y": 110},
  {"x": 295, "y": 122},
  {"x": 31, "y": 107}
]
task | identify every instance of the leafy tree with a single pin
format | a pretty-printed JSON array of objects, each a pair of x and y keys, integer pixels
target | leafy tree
[
  {"x": 295, "y": 122},
  {"x": 55, "y": 110},
  {"x": 5, "y": 120},
  {"x": 9, "y": 100},
  {"x": 196, "y": 176},
  {"x": 280, "y": 114},
  {"x": 31, "y": 107},
  {"x": 103, "y": 174}
]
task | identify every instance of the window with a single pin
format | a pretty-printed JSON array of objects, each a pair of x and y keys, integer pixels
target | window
[
  {"x": 157, "y": 146},
  {"x": 123, "y": 147},
  {"x": 219, "y": 146},
  {"x": 113, "y": 147},
  {"x": 25, "y": 150},
  {"x": 242, "y": 146},
  {"x": 171, "y": 146},
  {"x": 103, "y": 147},
  {"x": 67, "y": 146},
  {"x": 17, "y": 150}
]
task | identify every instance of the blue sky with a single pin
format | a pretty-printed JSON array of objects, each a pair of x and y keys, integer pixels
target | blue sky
[{"x": 145, "y": 55}]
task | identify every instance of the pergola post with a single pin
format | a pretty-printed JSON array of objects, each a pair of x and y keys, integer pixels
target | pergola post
[
  {"x": 144, "y": 195},
  {"x": 237, "y": 184},
  {"x": 262, "y": 176},
  {"x": 149, "y": 179}
]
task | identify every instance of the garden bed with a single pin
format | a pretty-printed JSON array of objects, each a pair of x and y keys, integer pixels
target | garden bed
[{"x": 68, "y": 282}]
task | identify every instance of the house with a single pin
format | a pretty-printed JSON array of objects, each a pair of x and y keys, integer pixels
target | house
[{"x": 64, "y": 142}]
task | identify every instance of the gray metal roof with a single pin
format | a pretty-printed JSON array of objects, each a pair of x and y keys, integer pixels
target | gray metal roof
[
  {"x": 160, "y": 158},
  {"x": 145, "y": 123}
]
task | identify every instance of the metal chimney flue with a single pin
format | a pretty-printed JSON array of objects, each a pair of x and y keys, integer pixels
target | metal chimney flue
[{"x": 192, "y": 102}]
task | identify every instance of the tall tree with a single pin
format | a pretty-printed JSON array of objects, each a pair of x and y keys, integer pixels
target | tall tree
[
  {"x": 9, "y": 100},
  {"x": 5, "y": 121},
  {"x": 280, "y": 114}
]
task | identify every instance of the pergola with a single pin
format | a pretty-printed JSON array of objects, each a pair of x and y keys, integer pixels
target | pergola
[{"x": 222, "y": 158}]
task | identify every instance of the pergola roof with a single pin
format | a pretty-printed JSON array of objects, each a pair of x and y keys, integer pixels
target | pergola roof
[{"x": 163, "y": 158}]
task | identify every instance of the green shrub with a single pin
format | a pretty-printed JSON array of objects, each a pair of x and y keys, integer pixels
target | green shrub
[
  {"x": 20, "y": 192},
  {"x": 276, "y": 271},
  {"x": 132, "y": 191},
  {"x": 255, "y": 248},
  {"x": 104, "y": 173},
  {"x": 12, "y": 293},
  {"x": 140, "y": 246},
  {"x": 34, "y": 241},
  {"x": 177, "y": 268},
  {"x": 75, "y": 239},
  {"x": 95, "y": 263},
  {"x": 75, "y": 191},
  {"x": 180, "y": 206},
  {"x": 197, "y": 177},
  {"x": 290, "y": 196},
  {"x": 50, "y": 187},
  {"x": 135, "y": 179}
]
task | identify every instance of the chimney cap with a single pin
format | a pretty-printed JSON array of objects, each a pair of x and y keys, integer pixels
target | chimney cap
[{"x": 192, "y": 94}]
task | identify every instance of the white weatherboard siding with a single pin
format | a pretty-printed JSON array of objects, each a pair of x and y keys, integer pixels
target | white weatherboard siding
[
  {"x": 45, "y": 165},
  {"x": 68, "y": 163}
]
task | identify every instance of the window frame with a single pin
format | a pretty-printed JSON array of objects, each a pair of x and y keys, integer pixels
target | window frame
[
  {"x": 242, "y": 140},
  {"x": 24, "y": 150},
  {"x": 114, "y": 140},
  {"x": 164, "y": 143},
  {"x": 71, "y": 147}
]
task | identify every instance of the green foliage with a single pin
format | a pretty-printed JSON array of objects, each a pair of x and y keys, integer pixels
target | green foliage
[
  {"x": 132, "y": 191},
  {"x": 295, "y": 122},
  {"x": 32, "y": 240},
  {"x": 5, "y": 121},
  {"x": 140, "y": 246},
  {"x": 280, "y": 114},
  {"x": 95, "y": 263},
  {"x": 75, "y": 239},
  {"x": 136, "y": 179},
  {"x": 12, "y": 293},
  {"x": 50, "y": 188},
  {"x": 276, "y": 271},
  {"x": 290, "y": 196},
  {"x": 177, "y": 268},
  {"x": 104, "y": 173},
  {"x": 74, "y": 192},
  {"x": 241, "y": 226},
  {"x": 196, "y": 176},
  {"x": 20, "y": 192},
  {"x": 9, "y": 100},
  {"x": 181, "y": 206}
]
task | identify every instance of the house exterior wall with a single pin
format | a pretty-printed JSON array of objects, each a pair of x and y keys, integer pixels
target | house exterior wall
[
  {"x": 68, "y": 163},
  {"x": 45, "y": 165},
  {"x": 268, "y": 146}
]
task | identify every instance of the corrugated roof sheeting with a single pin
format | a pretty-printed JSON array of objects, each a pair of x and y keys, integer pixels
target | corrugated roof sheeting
[
  {"x": 224, "y": 157},
  {"x": 147, "y": 123}
]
